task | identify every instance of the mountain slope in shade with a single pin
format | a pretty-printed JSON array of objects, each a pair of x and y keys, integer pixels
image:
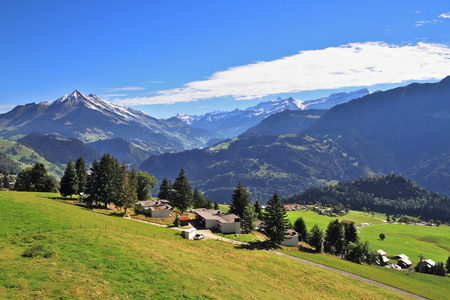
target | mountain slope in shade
[
  {"x": 58, "y": 150},
  {"x": 231, "y": 124},
  {"x": 121, "y": 149},
  {"x": 90, "y": 118}
]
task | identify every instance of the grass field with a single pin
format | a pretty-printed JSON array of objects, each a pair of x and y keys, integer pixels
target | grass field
[
  {"x": 432, "y": 242},
  {"x": 80, "y": 254}
]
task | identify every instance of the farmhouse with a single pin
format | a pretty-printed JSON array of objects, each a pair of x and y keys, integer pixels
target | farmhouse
[
  {"x": 215, "y": 219},
  {"x": 403, "y": 260},
  {"x": 156, "y": 208},
  {"x": 290, "y": 238},
  {"x": 383, "y": 258},
  {"x": 184, "y": 220},
  {"x": 428, "y": 262}
]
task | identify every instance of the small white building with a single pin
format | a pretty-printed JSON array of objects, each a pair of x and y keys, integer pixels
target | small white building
[{"x": 188, "y": 234}]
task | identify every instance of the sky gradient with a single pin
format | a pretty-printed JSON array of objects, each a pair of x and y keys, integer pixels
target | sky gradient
[{"x": 165, "y": 57}]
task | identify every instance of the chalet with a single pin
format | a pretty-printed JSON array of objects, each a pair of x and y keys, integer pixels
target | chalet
[
  {"x": 290, "y": 238},
  {"x": 287, "y": 207},
  {"x": 215, "y": 219},
  {"x": 403, "y": 261},
  {"x": 343, "y": 222},
  {"x": 383, "y": 258},
  {"x": 428, "y": 262},
  {"x": 156, "y": 208}
]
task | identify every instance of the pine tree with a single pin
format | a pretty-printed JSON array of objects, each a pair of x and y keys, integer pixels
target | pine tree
[
  {"x": 239, "y": 200},
  {"x": 6, "y": 182},
  {"x": 249, "y": 217},
  {"x": 300, "y": 227},
  {"x": 198, "y": 201},
  {"x": 80, "y": 166},
  {"x": 315, "y": 238},
  {"x": 258, "y": 210},
  {"x": 216, "y": 205},
  {"x": 69, "y": 181},
  {"x": 447, "y": 265},
  {"x": 334, "y": 237},
  {"x": 182, "y": 190},
  {"x": 275, "y": 219},
  {"x": 350, "y": 233},
  {"x": 209, "y": 204},
  {"x": 128, "y": 196},
  {"x": 165, "y": 190}
]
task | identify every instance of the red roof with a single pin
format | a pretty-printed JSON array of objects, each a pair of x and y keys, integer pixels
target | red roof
[{"x": 185, "y": 218}]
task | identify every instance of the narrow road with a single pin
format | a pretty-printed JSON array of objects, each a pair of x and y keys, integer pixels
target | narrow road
[{"x": 348, "y": 274}]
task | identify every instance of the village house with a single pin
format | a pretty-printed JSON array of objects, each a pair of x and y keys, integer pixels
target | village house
[
  {"x": 383, "y": 260},
  {"x": 156, "y": 208},
  {"x": 215, "y": 219},
  {"x": 428, "y": 262},
  {"x": 403, "y": 260},
  {"x": 290, "y": 238}
]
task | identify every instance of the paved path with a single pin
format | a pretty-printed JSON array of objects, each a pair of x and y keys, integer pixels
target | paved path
[{"x": 348, "y": 274}]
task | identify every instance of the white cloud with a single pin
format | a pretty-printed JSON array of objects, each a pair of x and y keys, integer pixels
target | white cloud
[
  {"x": 352, "y": 65},
  {"x": 6, "y": 107},
  {"x": 127, "y": 88},
  {"x": 445, "y": 16}
]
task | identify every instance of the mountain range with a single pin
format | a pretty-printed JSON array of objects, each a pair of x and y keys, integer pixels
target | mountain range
[
  {"x": 89, "y": 119},
  {"x": 403, "y": 130},
  {"x": 236, "y": 122}
]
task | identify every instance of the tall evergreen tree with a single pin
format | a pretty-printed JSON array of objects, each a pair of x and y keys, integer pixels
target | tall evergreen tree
[
  {"x": 69, "y": 181},
  {"x": 334, "y": 237},
  {"x": 239, "y": 200},
  {"x": 198, "y": 201},
  {"x": 6, "y": 182},
  {"x": 216, "y": 205},
  {"x": 258, "y": 210},
  {"x": 249, "y": 217},
  {"x": 315, "y": 238},
  {"x": 80, "y": 166},
  {"x": 165, "y": 190},
  {"x": 300, "y": 227},
  {"x": 350, "y": 233},
  {"x": 183, "y": 193},
  {"x": 105, "y": 181},
  {"x": 275, "y": 219},
  {"x": 128, "y": 195},
  {"x": 145, "y": 183},
  {"x": 209, "y": 204},
  {"x": 35, "y": 179}
]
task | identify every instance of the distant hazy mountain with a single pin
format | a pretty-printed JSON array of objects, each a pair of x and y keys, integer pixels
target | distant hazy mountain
[
  {"x": 404, "y": 131},
  {"x": 90, "y": 118},
  {"x": 231, "y": 124},
  {"x": 285, "y": 122}
]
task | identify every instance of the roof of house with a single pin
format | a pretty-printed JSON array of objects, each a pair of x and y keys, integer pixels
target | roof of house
[
  {"x": 159, "y": 204},
  {"x": 405, "y": 261},
  {"x": 429, "y": 262},
  {"x": 183, "y": 218},
  {"x": 346, "y": 222},
  {"x": 213, "y": 214},
  {"x": 290, "y": 233},
  {"x": 402, "y": 257},
  {"x": 381, "y": 252}
]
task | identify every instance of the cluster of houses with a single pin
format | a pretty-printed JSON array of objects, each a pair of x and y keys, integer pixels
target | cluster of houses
[
  {"x": 328, "y": 212},
  {"x": 212, "y": 219},
  {"x": 296, "y": 207},
  {"x": 403, "y": 261}
]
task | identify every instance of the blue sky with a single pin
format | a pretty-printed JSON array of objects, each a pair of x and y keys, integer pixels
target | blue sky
[{"x": 165, "y": 57}]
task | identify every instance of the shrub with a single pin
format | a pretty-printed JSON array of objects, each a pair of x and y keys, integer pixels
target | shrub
[{"x": 33, "y": 251}]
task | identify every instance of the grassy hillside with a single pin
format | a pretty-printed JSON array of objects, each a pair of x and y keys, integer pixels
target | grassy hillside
[
  {"x": 27, "y": 157},
  {"x": 89, "y": 255}
]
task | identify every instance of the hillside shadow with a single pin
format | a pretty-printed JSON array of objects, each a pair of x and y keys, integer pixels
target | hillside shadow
[{"x": 259, "y": 245}]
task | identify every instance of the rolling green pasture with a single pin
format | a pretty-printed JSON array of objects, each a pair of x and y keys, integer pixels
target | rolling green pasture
[
  {"x": 312, "y": 218},
  {"x": 412, "y": 240},
  {"x": 84, "y": 255}
]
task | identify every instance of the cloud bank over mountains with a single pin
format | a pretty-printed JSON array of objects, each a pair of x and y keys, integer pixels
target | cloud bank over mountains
[{"x": 351, "y": 65}]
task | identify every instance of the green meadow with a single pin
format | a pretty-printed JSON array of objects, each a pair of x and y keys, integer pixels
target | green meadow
[{"x": 50, "y": 249}]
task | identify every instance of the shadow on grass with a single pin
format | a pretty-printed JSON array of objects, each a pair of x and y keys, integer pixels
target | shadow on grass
[{"x": 259, "y": 245}]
